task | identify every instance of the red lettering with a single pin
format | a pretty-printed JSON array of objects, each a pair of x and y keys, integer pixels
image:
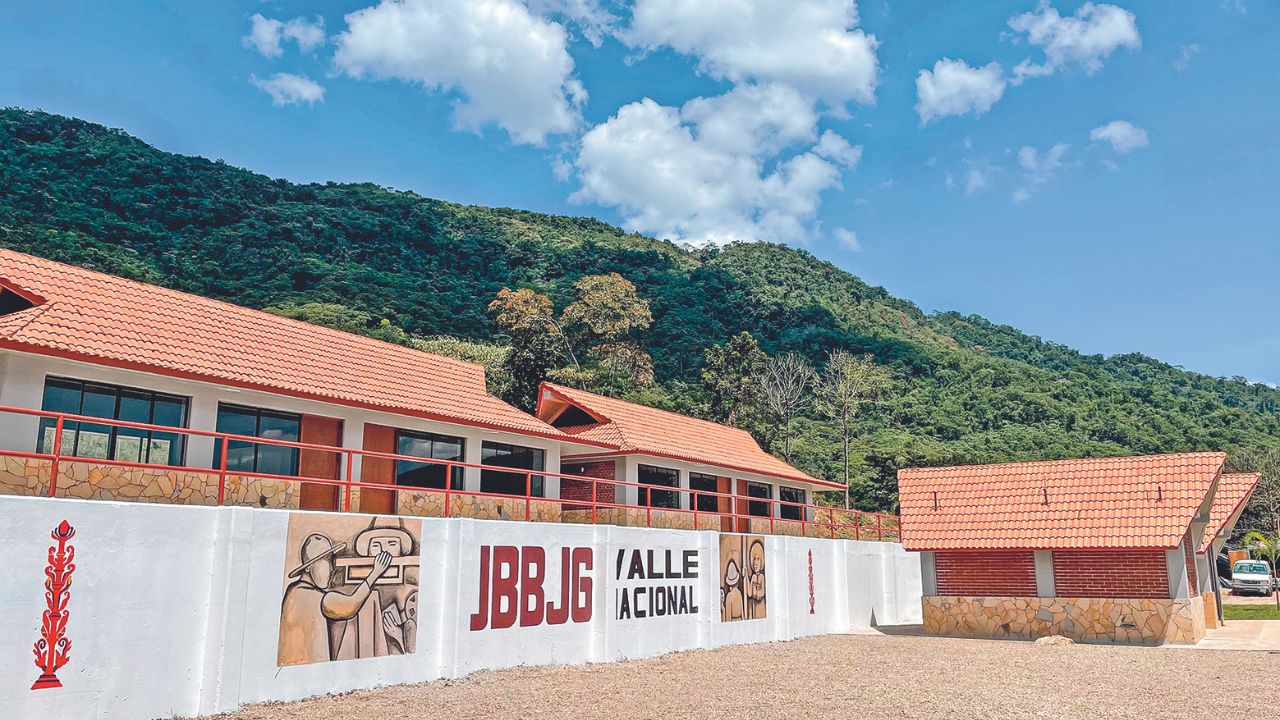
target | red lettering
[
  {"x": 480, "y": 618},
  {"x": 581, "y": 585},
  {"x": 512, "y": 587},
  {"x": 505, "y": 587},
  {"x": 532, "y": 561},
  {"x": 559, "y": 614}
]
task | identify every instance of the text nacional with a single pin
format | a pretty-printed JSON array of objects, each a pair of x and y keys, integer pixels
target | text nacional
[{"x": 642, "y": 590}]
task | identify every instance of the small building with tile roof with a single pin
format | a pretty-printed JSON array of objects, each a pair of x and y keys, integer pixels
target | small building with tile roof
[{"x": 1097, "y": 549}]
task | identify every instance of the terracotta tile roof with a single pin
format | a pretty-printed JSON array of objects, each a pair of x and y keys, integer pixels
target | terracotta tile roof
[
  {"x": 1121, "y": 502},
  {"x": 1233, "y": 492},
  {"x": 644, "y": 430},
  {"x": 109, "y": 320}
]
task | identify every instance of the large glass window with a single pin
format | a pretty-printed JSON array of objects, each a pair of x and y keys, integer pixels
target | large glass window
[
  {"x": 790, "y": 495},
  {"x": 756, "y": 507},
  {"x": 665, "y": 477},
  {"x": 427, "y": 445},
  {"x": 251, "y": 457},
  {"x": 705, "y": 483},
  {"x": 112, "y": 402},
  {"x": 511, "y": 456}
]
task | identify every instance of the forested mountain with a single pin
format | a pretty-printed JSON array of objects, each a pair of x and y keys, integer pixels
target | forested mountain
[{"x": 401, "y": 266}]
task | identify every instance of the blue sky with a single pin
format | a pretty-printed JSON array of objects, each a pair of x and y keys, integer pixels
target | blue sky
[{"x": 1110, "y": 183}]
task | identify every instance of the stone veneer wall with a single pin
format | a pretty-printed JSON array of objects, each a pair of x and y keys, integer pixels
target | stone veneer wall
[
  {"x": 87, "y": 480},
  {"x": 1097, "y": 620}
]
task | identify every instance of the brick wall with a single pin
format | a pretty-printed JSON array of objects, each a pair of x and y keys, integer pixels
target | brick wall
[
  {"x": 1190, "y": 554},
  {"x": 986, "y": 573},
  {"x": 581, "y": 489},
  {"x": 1110, "y": 574}
]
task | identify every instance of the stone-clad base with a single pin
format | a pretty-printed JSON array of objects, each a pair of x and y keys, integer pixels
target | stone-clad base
[
  {"x": 1097, "y": 620},
  {"x": 87, "y": 480}
]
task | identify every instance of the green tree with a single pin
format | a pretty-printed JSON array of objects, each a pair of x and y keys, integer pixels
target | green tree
[
  {"x": 537, "y": 342},
  {"x": 341, "y": 317},
  {"x": 608, "y": 312},
  {"x": 1262, "y": 512},
  {"x": 731, "y": 376},
  {"x": 847, "y": 383}
]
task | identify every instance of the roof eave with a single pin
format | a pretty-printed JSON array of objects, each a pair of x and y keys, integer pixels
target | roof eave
[{"x": 10, "y": 344}]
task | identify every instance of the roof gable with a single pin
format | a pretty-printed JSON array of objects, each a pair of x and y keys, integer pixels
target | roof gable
[
  {"x": 1233, "y": 492},
  {"x": 1120, "y": 502},
  {"x": 641, "y": 429},
  {"x": 105, "y": 319}
]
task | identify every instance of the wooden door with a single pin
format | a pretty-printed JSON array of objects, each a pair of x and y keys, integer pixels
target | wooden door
[
  {"x": 319, "y": 430},
  {"x": 378, "y": 438}
]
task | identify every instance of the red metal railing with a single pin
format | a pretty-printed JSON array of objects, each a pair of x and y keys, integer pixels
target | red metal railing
[{"x": 812, "y": 520}]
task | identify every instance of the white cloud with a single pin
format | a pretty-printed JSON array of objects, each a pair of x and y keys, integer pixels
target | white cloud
[
  {"x": 848, "y": 240},
  {"x": 308, "y": 34},
  {"x": 1185, "y": 54},
  {"x": 955, "y": 88},
  {"x": 588, "y": 16},
  {"x": 265, "y": 34},
  {"x": 811, "y": 45},
  {"x": 289, "y": 89},
  {"x": 716, "y": 170},
  {"x": 1082, "y": 40},
  {"x": 1039, "y": 167},
  {"x": 975, "y": 180},
  {"x": 1123, "y": 135},
  {"x": 509, "y": 67}
]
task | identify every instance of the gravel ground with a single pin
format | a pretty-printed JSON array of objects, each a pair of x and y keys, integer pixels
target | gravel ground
[{"x": 840, "y": 676}]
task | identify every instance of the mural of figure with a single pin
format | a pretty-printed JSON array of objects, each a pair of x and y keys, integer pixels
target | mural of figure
[
  {"x": 353, "y": 589},
  {"x": 311, "y": 606},
  {"x": 401, "y": 625},
  {"x": 742, "y": 586},
  {"x": 731, "y": 593},
  {"x": 755, "y": 580}
]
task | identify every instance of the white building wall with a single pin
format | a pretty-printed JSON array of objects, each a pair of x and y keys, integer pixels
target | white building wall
[
  {"x": 175, "y": 611},
  {"x": 22, "y": 378}
]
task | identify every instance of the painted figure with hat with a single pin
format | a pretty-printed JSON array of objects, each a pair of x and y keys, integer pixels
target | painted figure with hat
[
  {"x": 313, "y": 613},
  {"x": 352, "y": 589}
]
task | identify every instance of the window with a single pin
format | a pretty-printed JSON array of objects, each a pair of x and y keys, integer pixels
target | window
[
  {"x": 791, "y": 495},
  {"x": 755, "y": 507},
  {"x": 251, "y": 457},
  {"x": 427, "y": 445},
  {"x": 111, "y": 402},
  {"x": 665, "y": 477},
  {"x": 705, "y": 483},
  {"x": 511, "y": 456}
]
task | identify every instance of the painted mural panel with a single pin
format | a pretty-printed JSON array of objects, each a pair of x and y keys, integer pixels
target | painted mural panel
[
  {"x": 742, "y": 578},
  {"x": 350, "y": 588}
]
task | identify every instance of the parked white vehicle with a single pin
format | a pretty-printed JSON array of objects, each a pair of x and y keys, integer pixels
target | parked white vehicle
[{"x": 1252, "y": 576}]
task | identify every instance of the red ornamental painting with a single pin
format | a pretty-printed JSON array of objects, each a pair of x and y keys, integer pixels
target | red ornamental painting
[{"x": 52, "y": 648}]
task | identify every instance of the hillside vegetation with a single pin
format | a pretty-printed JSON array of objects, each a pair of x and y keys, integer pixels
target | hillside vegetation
[{"x": 409, "y": 268}]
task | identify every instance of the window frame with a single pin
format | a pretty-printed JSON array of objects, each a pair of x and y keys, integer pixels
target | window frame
[
  {"x": 646, "y": 499},
  {"x": 791, "y": 512},
  {"x": 537, "y": 481},
  {"x": 257, "y": 413},
  {"x": 756, "y": 502},
  {"x": 451, "y": 483},
  {"x": 146, "y": 438},
  {"x": 705, "y": 503}
]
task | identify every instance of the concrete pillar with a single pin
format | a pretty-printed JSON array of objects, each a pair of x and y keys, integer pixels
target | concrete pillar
[
  {"x": 928, "y": 574},
  {"x": 1044, "y": 574},
  {"x": 202, "y": 414},
  {"x": 1176, "y": 566}
]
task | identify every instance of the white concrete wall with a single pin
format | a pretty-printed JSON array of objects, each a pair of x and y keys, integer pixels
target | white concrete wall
[
  {"x": 176, "y": 610},
  {"x": 22, "y": 379}
]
